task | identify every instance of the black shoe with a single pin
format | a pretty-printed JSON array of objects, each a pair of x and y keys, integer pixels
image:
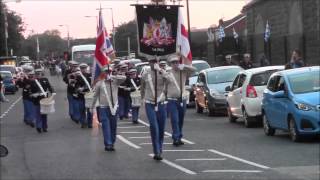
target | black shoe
[
  {"x": 90, "y": 126},
  {"x": 109, "y": 148},
  {"x": 26, "y": 122},
  {"x": 44, "y": 130},
  {"x": 32, "y": 125},
  {"x": 112, "y": 148},
  {"x": 77, "y": 122},
  {"x": 83, "y": 126},
  {"x": 181, "y": 142},
  {"x": 176, "y": 143},
  {"x": 157, "y": 157},
  {"x": 135, "y": 122},
  {"x": 39, "y": 130}
]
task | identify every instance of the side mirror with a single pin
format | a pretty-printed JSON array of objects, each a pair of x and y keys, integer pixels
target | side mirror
[
  {"x": 228, "y": 89},
  {"x": 279, "y": 94}
]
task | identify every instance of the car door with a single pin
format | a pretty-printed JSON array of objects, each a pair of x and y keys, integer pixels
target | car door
[
  {"x": 280, "y": 105},
  {"x": 268, "y": 100},
  {"x": 200, "y": 90},
  {"x": 231, "y": 97},
  {"x": 238, "y": 95}
]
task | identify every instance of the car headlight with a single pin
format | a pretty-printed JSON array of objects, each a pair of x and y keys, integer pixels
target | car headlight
[
  {"x": 303, "y": 107},
  {"x": 215, "y": 94}
]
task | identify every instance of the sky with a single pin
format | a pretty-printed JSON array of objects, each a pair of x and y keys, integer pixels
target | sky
[{"x": 41, "y": 15}]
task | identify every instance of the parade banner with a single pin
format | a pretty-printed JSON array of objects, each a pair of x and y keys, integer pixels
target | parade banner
[{"x": 157, "y": 29}]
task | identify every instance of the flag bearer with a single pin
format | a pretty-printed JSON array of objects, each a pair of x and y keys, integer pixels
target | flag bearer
[
  {"x": 39, "y": 88},
  {"x": 153, "y": 84},
  {"x": 107, "y": 93},
  {"x": 134, "y": 87},
  {"x": 176, "y": 95}
]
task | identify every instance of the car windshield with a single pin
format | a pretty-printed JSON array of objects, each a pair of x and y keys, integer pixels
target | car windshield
[
  {"x": 261, "y": 79},
  {"x": 7, "y": 68},
  {"x": 305, "y": 82},
  {"x": 222, "y": 76},
  {"x": 5, "y": 75},
  {"x": 199, "y": 67},
  {"x": 84, "y": 57}
]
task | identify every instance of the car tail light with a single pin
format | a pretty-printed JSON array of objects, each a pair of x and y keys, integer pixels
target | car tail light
[{"x": 251, "y": 92}]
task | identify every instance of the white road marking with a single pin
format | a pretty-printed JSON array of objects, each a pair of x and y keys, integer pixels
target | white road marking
[
  {"x": 134, "y": 132},
  {"x": 232, "y": 171},
  {"x": 183, "y": 169},
  {"x": 202, "y": 159},
  {"x": 151, "y": 143},
  {"x": 128, "y": 142},
  {"x": 183, "y": 150},
  {"x": 166, "y": 133},
  {"x": 129, "y": 127},
  {"x": 10, "y": 107},
  {"x": 239, "y": 159},
  {"x": 144, "y": 137}
]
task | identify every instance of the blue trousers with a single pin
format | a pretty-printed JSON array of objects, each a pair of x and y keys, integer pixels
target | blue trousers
[
  {"x": 79, "y": 110},
  {"x": 177, "y": 113},
  {"x": 124, "y": 106},
  {"x": 109, "y": 125},
  {"x": 135, "y": 113},
  {"x": 70, "y": 103},
  {"x": 41, "y": 119},
  {"x": 28, "y": 108},
  {"x": 157, "y": 120},
  {"x": 98, "y": 114},
  {"x": 89, "y": 117}
]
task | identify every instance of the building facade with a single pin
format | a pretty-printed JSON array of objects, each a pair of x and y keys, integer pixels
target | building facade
[{"x": 294, "y": 24}]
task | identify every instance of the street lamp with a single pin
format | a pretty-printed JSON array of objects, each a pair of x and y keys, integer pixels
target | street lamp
[{"x": 67, "y": 26}]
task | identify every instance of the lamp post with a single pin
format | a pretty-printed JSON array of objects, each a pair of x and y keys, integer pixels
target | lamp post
[{"x": 67, "y": 26}]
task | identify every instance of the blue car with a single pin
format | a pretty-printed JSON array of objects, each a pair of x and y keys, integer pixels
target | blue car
[
  {"x": 291, "y": 102},
  {"x": 8, "y": 82}
]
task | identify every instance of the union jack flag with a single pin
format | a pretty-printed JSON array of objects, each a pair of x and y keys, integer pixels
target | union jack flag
[{"x": 103, "y": 49}]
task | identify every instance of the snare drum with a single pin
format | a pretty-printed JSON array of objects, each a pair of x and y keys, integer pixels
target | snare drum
[
  {"x": 136, "y": 98},
  {"x": 88, "y": 99},
  {"x": 47, "y": 106}
]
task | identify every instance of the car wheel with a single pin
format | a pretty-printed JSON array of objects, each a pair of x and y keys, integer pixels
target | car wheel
[
  {"x": 268, "y": 130},
  {"x": 231, "y": 118},
  {"x": 199, "y": 109},
  {"x": 247, "y": 120},
  {"x": 294, "y": 134}
]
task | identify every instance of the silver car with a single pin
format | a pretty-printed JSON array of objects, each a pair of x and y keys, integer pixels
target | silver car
[{"x": 245, "y": 95}]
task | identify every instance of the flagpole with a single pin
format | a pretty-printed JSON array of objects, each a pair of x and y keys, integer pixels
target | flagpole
[{"x": 188, "y": 18}]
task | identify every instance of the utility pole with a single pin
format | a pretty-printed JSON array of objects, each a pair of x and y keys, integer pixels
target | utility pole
[
  {"x": 5, "y": 31},
  {"x": 129, "y": 47}
]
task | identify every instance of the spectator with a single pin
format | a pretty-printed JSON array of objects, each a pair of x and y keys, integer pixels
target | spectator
[
  {"x": 246, "y": 63},
  {"x": 228, "y": 61},
  {"x": 263, "y": 61},
  {"x": 296, "y": 60}
]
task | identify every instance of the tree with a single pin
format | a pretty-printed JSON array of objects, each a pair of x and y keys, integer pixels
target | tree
[
  {"x": 15, "y": 30},
  {"x": 122, "y": 33}
]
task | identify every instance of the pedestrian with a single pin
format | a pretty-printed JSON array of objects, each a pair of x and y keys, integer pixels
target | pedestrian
[
  {"x": 107, "y": 93},
  {"x": 134, "y": 94},
  {"x": 2, "y": 91},
  {"x": 153, "y": 83},
  {"x": 263, "y": 61},
  {"x": 176, "y": 95},
  {"x": 228, "y": 61},
  {"x": 28, "y": 107},
  {"x": 246, "y": 63},
  {"x": 296, "y": 60},
  {"x": 69, "y": 79},
  {"x": 39, "y": 89},
  {"x": 124, "y": 94}
]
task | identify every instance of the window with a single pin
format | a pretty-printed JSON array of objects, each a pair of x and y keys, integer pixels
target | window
[
  {"x": 241, "y": 80},
  {"x": 261, "y": 79},
  {"x": 201, "y": 78},
  {"x": 280, "y": 85},
  {"x": 235, "y": 83}
]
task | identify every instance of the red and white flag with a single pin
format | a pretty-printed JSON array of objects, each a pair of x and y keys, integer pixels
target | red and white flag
[{"x": 183, "y": 41}]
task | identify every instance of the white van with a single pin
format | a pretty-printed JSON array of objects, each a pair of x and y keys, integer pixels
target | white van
[{"x": 83, "y": 53}]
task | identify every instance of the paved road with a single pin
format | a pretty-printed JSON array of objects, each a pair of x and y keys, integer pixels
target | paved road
[{"x": 214, "y": 149}]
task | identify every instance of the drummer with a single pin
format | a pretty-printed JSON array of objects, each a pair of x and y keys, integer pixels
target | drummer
[
  {"x": 134, "y": 87},
  {"x": 39, "y": 88},
  {"x": 124, "y": 94},
  {"x": 25, "y": 84}
]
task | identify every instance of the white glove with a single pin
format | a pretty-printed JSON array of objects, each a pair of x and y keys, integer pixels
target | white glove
[
  {"x": 181, "y": 66},
  {"x": 156, "y": 67},
  {"x": 53, "y": 94},
  {"x": 127, "y": 89},
  {"x": 108, "y": 78}
]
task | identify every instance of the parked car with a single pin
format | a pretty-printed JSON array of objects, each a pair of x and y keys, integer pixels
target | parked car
[
  {"x": 8, "y": 82},
  {"x": 210, "y": 91},
  {"x": 291, "y": 102},
  {"x": 245, "y": 94},
  {"x": 190, "y": 83}
]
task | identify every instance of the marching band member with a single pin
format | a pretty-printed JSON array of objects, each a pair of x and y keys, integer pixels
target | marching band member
[
  {"x": 107, "y": 93},
  {"x": 69, "y": 79},
  {"x": 28, "y": 107},
  {"x": 124, "y": 94},
  {"x": 39, "y": 89},
  {"x": 176, "y": 96},
  {"x": 134, "y": 87},
  {"x": 153, "y": 84}
]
